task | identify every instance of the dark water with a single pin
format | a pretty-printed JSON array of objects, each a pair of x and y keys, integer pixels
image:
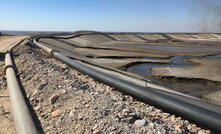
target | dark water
[
  {"x": 197, "y": 87},
  {"x": 213, "y": 57},
  {"x": 177, "y": 61},
  {"x": 144, "y": 68}
]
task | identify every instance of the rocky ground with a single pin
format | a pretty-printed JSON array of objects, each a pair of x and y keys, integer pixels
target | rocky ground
[{"x": 67, "y": 101}]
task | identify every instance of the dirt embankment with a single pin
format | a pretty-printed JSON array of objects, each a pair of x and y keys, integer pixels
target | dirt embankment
[
  {"x": 7, "y": 41},
  {"x": 66, "y": 101},
  {"x": 6, "y": 125}
]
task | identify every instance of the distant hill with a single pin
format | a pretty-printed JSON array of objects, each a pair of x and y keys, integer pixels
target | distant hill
[{"x": 28, "y": 32}]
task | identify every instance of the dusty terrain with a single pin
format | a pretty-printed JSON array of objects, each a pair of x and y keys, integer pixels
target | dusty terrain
[
  {"x": 7, "y": 41},
  {"x": 63, "y": 100},
  {"x": 67, "y": 101},
  {"x": 6, "y": 125}
]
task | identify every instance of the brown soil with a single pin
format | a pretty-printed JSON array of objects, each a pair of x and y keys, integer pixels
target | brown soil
[{"x": 6, "y": 125}]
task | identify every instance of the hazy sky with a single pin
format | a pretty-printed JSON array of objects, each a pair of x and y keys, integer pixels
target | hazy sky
[{"x": 100, "y": 15}]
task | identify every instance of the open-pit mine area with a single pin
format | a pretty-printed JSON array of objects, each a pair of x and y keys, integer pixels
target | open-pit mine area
[
  {"x": 103, "y": 82},
  {"x": 188, "y": 63}
]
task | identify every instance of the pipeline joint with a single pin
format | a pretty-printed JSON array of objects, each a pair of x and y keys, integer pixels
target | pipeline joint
[
  {"x": 52, "y": 52},
  {"x": 8, "y": 66}
]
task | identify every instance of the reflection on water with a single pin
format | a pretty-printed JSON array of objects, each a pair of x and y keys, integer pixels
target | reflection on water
[
  {"x": 144, "y": 69},
  {"x": 177, "y": 61},
  {"x": 212, "y": 57}
]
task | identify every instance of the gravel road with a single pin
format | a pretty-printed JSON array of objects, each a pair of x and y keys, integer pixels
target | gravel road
[{"x": 67, "y": 101}]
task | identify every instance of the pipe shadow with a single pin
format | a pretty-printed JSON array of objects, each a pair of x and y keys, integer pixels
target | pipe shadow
[{"x": 2, "y": 56}]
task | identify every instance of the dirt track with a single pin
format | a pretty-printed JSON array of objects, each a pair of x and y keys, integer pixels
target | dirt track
[
  {"x": 6, "y": 125},
  {"x": 7, "y": 41}
]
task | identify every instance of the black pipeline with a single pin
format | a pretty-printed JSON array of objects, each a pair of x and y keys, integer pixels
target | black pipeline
[{"x": 189, "y": 109}]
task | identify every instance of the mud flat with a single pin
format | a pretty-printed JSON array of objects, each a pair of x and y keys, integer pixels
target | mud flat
[
  {"x": 119, "y": 63},
  {"x": 216, "y": 35},
  {"x": 185, "y": 62},
  {"x": 180, "y": 36},
  {"x": 123, "y": 37},
  {"x": 135, "y": 38},
  {"x": 202, "y": 36},
  {"x": 117, "y": 53},
  {"x": 80, "y": 41},
  {"x": 205, "y": 69},
  {"x": 151, "y": 36},
  {"x": 96, "y": 38}
]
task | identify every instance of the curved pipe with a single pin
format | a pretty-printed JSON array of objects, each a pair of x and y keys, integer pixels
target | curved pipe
[
  {"x": 146, "y": 83},
  {"x": 23, "y": 121},
  {"x": 189, "y": 108},
  {"x": 191, "y": 111}
]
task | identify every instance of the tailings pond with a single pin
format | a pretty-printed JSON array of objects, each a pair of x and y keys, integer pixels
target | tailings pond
[{"x": 196, "y": 87}]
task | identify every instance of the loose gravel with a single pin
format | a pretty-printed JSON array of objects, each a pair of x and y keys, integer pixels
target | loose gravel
[{"x": 67, "y": 101}]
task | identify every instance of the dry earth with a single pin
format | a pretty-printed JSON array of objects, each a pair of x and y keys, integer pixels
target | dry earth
[
  {"x": 6, "y": 125},
  {"x": 66, "y": 101},
  {"x": 7, "y": 41}
]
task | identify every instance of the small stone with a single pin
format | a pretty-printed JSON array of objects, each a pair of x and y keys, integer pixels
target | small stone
[
  {"x": 207, "y": 131},
  {"x": 63, "y": 91},
  {"x": 172, "y": 118},
  {"x": 58, "y": 122},
  {"x": 95, "y": 127},
  {"x": 140, "y": 122},
  {"x": 189, "y": 127},
  {"x": 193, "y": 129},
  {"x": 97, "y": 131},
  {"x": 151, "y": 125},
  {"x": 86, "y": 105},
  {"x": 55, "y": 113},
  {"x": 127, "y": 119},
  {"x": 152, "y": 114},
  {"x": 71, "y": 114},
  {"x": 54, "y": 98},
  {"x": 35, "y": 92},
  {"x": 201, "y": 132},
  {"x": 80, "y": 117},
  {"x": 113, "y": 128},
  {"x": 120, "y": 115},
  {"x": 178, "y": 127},
  {"x": 105, "y": 112},
  {"x": 42, "y": 86},
  {"x": 125, "y": 111},
  {"x": 38, "y": 108}
]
